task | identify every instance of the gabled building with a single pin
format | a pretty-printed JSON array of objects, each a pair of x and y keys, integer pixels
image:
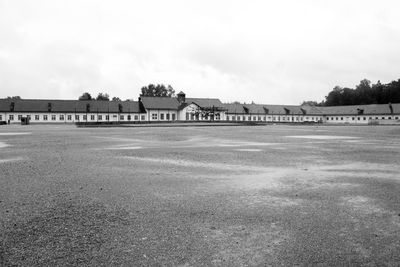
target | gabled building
[
  {"x": 69, "y": 111},
  {"x": 160, "y": 108},
  {"x": 200, "y": 109}
]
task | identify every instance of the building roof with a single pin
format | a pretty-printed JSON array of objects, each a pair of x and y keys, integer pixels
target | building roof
[
  {"x": 354, "y": 110},
  {"x": 262, "y": 109},
  {"x": 169, "y": 103},
  {"x": 206, "y": 102},
  {"x": 43, "y": 105}
]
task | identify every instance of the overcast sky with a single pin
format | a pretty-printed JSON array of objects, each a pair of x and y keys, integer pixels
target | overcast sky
[{"x": 272, "y": 52}]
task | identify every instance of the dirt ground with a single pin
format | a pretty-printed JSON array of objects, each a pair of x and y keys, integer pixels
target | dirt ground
[{"x": 224, "y": 196}]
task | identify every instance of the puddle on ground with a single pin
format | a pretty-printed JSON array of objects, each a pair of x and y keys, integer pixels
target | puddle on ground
[
  {"x": 249, "y": 150},
  {"x": 10, "y": 160},
  {"x": 12, "y": 134},
  {"x": 2, "y": 144},
  {"x": 322, "y": 137},
  {"x": 126, "y": 148},
  {"x": 363, "y": 205},
  {"x": 197, "y": 164}
]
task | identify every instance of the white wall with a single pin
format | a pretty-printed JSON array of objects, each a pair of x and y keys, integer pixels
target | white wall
[
  {"x": 69, "y": 117},
  {"x": 161, "y": 115}
]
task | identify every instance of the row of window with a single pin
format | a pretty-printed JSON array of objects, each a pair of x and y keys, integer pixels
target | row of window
[
  {"x": 61, "y": 117},
  {"x": 196, "y": 117},
  {"x": 163, "y": 116},
  {"x": 269, "y": 118},
  {"x": 359, "y": 118}
]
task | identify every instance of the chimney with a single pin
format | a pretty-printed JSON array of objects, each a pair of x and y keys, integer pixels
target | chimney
[
  {"x": 360, "y": 111},
  {"x": 391, "y": 108},
  {"x": 181, "y": 97}
]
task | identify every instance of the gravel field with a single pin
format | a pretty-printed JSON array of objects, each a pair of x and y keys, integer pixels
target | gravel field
[{"x": 199, "y": 196}]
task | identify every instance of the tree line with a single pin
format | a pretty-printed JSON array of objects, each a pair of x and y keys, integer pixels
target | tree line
[
  {"x": 364, "y": 93},
  {"x": 159, "y": 90}
]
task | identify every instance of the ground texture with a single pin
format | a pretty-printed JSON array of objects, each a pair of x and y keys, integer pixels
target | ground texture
[{"x": 200, "y": 196}]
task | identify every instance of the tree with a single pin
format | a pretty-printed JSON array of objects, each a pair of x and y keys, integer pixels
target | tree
[
  {"x": 115, "y": 98},
  {"x": 103, "y": 97},
  {"x": 14, "y": 97},
  {"x": 159, "y": 90},
  {"x": 85, "y": 96},
  {"x": 309, "y": 103}
]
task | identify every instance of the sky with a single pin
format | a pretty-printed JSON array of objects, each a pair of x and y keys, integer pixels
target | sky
[{"x": 270, "y": 52}]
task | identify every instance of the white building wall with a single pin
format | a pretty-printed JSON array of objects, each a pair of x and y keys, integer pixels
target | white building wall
[
  {"x": 57, "y": 117},
  {"x": 162, "y": 115}
]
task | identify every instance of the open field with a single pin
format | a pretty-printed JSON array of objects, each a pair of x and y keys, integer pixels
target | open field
[{"x": 224, "y": 196}]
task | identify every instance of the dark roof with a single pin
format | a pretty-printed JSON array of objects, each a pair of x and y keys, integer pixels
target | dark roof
[
  {"x": 206, "y": 102},
  {"x": 32, "y": 105},
  {"x": 262, "y": 109},
  {"x": 170, "y": 103},
  {"x": 354, "y": 110}
]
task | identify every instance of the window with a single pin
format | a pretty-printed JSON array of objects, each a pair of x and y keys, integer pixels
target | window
[
  {"x": 61, "y": 117},
  {"x": 376, "y": 118},
  {"x": 69, "y": 117},
  {"x": 45, "y": 117},
  {"x": 352, "y": 118},
  {"x": 238, "y": 118},
  {"x": 383, "y": 118},
  {"x": 370, "y": 118},
  {"x": 154, "y": 116},
  {"x": 389, "y": 118},
  {"x": 397, "y": 118},
  {"x": 107, "y": 117},
  {"x": 92, "y": 117},
  {"x": 84, "y": 117},
  {"x": 1, "y": 117},
  {"x": 233, "y": 118},
  {"x": 11, "y": 117},
  {"x": 173, "y": 116},
  {"x": 167, "y": 116},
  {"x": 162, "y": 116},
  {"x": 327, "y": 118},
  {"x": 129, "y": 117},
  {"x": 136, "y": 117},
  {"x": 121, "y": 117},
  {"x": 364, "y": 118},
  {"x": 143, "y": 117},
  {"x": 19, "y": 117},
  {"x": 337, "y": 118},
  {"x": 254, "y": 118},
  {"x": 358, "y": 118},
  {"x": 99, "y": 117},
  {"x": 249, "y": 118},
  {"x": 53, "y": 117},
  {"x": 29, "y": 117},
  {"x": 77, "y": 117}
]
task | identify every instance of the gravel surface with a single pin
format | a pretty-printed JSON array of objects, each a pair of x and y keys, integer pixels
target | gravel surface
[{"x": 199, "y": 196}]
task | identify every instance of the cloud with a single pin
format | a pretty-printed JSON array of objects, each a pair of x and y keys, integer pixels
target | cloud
[{"x": 266, "y": 51}]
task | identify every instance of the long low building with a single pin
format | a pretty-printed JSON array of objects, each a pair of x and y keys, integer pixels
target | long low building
[{"x": 180, "y": 108}]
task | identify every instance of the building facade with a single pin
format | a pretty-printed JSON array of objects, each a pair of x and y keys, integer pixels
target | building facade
[{"x": 180, "y": 108}]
